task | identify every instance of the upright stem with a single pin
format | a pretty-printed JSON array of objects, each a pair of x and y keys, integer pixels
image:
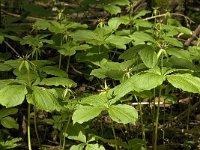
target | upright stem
[
  {"x": 141, "y": 120},
  {"x": 157, "y": 120},
  {"x": 114, "y": 134},
  {"x": 64, "y": 131},
  {"x": 188, "y": 114},
  {"x": 28, "y": 128},
  {"x": 35, "y": 126}
]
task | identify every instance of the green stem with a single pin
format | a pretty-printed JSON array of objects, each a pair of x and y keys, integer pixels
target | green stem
[
  {"x": 60, "y": 61},
  {"x": 141, "y": 120},
  {"x": 68, "y": 64},
  {"x": 157, "y": 120},
  {"x": 28, "y": 128},
  {"x": 188, "y": 114},
  {"x": 35, "y": 126},
  {"x": 114, "y": 134},
  {"x": 64, "y": 131}
]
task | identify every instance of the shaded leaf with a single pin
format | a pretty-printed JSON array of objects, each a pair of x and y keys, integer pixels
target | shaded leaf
[
  {"x": 57, "y": 81},
  {"x": 9, "y": 122},
  {"x": 52, "y": 70},
  {"x": 7, "y": 111}
]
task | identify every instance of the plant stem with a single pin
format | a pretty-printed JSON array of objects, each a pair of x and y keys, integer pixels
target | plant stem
[
  {"x": 141, "y": 120},
  {"x": 64, "y": 131},
  {"x": 157, "y": 120},
  {"x": 60, "y": 61},
  {"x": 188, "y": 114},
  {"x": 68, "y": 64},
  {"x": 35, "y": 126},
  {"x": 28, "y": 128},
  {"x": 114, "y": 134}
]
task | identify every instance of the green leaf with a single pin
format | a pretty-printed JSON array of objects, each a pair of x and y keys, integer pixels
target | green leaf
[
  {"x": 84, "y": 35},
  {"x": 123, "y": 113},
  {"x": 7, "y": 111},
  {"x": 78, "y": 147},
  {"x": 10, "y": 123},
  {"x": 41, "y": 24},
  {"x": 4, "y": 83},
  {"x": 112, "y": 9},
  {"x": 95, "y": 100},
  {"x": 10, "y": 144},
  {"x": 52, "y": 70},
  {"x": 118, "y": 41},
  {"x": 57, "y": 81},
  {"x": 141, "y": 14},
  {"x": 115, "y": 22},
  {"x": 44, "y": 99},
  {"x": 184, "y": 30},
  {"x": 148, "y": 56},
  {"x": 76, "y": 132},
  {"x": 86, "y": 113},
  {"x": 179, "y": 53},
  {"x": 140, "y": 37},
  {"x": 136, "y": 83},
  {"x": 94, "y": 147},
  {"x": 186, "y": 82},
  {"x": 5, "y": 67},
  {"x": 173, "y": 41},
  {"x": 132, "y": 52},
  {"x": 143, "y": 23},
  {"x": 12, "y": 95}
]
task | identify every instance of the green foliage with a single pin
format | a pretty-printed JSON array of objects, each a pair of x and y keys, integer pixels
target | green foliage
[{"x": 135, "y": 58}]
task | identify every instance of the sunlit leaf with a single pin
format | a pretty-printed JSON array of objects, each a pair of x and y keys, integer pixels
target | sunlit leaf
[
  {"x": 186, "y": 82},
  {"x": 123, "y": 113},
  {"x": 44, "y": 99},
  {"x": 12, "y": 95}
]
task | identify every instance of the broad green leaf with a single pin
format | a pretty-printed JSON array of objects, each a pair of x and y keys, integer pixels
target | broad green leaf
[
  {"x": 7, "y": 111},
  {"x": 86, "y": 113},
  {"x": 5, "y": 56},
  {"x": 84, "y": 35},
  {"x": 184, "y": 30},
  {"x": 118, "y": 41},
  {"x": 136, "y": 83},
  {"x": 112, "y": 9},
  {"x": 13, "y": 63},
  {"x": 5, "y": 67},
  {"x": 141, "y": 14},
  {"x": 95, "y": 100},
  {"x": 76, "y": 132},
  {"x": 115, "y": 22},
  {"x": 41, "y": 24},
  {"x": 145, "y": 81},
  {"x": 10, "y": 144},
  {"x": 9, "y": 122},
  {"x": 12, "y": 95},
  {"x": 143, "y": 23},
  {"x": 132, "y": 52},
  {"x": 4, "y": 83},
  {"x": 186, "y": 82},
  {"x": 42, "y": 63},
  {"x": 57, "y": 81},
  {"x": 148, "y": 56},
  {"x": 78, "y": 147},
  {"x": 94, "y": 147},
  {"x": 123, "y": 113},
  {"x": 99, "y": 73},
  {"x": 52, "y": 70},
  {"x": 44, "y": 99},
  {"x": 179, "y": 53},
  {"x": 119, "y": 2},
  {"x": 173, "y": 41},
  {"x": 140, "y": 37}
]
